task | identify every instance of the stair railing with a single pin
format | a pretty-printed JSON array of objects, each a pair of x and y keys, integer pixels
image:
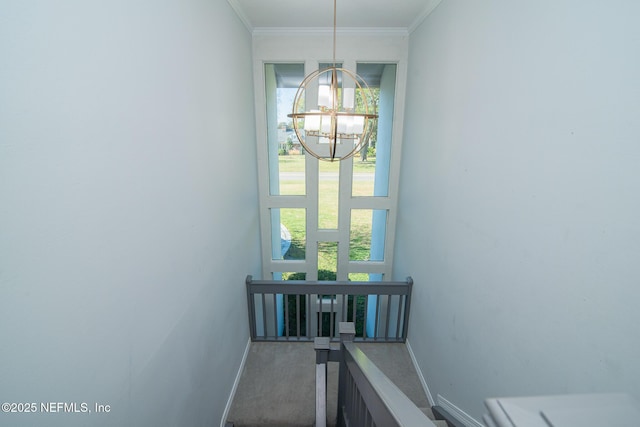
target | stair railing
[
  {"x": 366, "y": 396},
  {"x": 300, "y": 310}
]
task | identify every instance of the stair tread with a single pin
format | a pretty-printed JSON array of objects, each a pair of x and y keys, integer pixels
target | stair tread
[{"x": 277, "y": 387}]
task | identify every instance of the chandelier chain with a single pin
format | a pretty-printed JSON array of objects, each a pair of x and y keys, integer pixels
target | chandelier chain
[{"x": 335, "y": 20}]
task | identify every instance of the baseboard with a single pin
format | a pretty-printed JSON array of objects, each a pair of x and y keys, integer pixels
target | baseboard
[
  {"x": 420, "y": 376},
  {"x": 232, "y": 395},
  {"x": 458, "y": 414}
]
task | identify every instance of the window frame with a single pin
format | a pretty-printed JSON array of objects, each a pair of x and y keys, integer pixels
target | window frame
[{"x": 312, "y": 49}]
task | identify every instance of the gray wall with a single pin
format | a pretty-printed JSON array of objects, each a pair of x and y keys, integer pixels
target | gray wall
[
  {"x": 519, "y": 202},
  {"x": 128, "y": 208}
]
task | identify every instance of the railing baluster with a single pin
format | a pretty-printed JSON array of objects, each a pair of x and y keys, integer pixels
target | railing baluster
[
  {"x": 308, "y": 317},
  {"x": 354, "y": 307},
  {"x": 355, "y": 402},
  {"x": 331, "y": 330},
  {"x": 407, "y": 306},
  {"x": 399, "y": 316},
  {"x": 364, "y": 320},
  {"x": 252, "y": 308},
  {"x": 264, "y": 316},
  {"x": 386, "y": 327},
  {"x": 298, "y": 316},
  {"x": 275, "y": 316},
  {"x": 285, "y": 298},
  {"x": 320, "y": 321},
  {"x": 375, "y": 328},
  {"x": 345, "y": 308}
]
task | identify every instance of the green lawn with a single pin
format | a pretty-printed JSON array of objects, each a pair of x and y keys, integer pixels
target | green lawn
[{"x": 295, "y": 162}]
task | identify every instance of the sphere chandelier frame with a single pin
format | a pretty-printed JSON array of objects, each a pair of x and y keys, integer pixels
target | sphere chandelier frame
[{"x": 339, "y": 117}]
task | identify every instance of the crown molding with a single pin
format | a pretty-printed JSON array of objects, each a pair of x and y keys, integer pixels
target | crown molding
[
  {"x": 325, "y": 31},
  {"x": 240, "y": 13},
  {"x": 321, "y": 31},
  {"x": 431, "y": 5}
]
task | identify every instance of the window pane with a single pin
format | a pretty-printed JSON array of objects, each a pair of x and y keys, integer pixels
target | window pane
[
  {"x": 364, "y": 174},
  {"x": 288, "y": 233},
  {"x": 293, "y": 276},
  {"x": 367, "y": 236},
  {"x": 327, "y": 260},
  {"x": 358, "y": 277},
  {"x": 286, "y": 158},
  {"x": 328, "y": 191},
  {"x": 371, "y": 165}
]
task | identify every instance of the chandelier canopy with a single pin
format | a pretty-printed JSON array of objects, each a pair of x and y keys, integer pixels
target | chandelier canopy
[{"x": 345, "y": 116}]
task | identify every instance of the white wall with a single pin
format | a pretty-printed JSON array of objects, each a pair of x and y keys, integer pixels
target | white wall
[
  {"x": 519, "y": 200},
  {"x": 128, "y": 208}
]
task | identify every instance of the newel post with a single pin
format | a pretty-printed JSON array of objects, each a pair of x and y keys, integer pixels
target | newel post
[
  {"x": 347, "y": 333},
  {"x": 322, "y": 346}
]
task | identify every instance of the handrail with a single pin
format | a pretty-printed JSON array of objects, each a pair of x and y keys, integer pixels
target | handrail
[
  {"x": 385, "y": 403},
  {"x": 327, "y": 287},
  {"x": 295, "y": 310},
  {"x": 366, "y": 396}
]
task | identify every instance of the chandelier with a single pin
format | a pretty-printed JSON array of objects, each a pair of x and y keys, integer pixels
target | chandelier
[{"x": 345, "y": 116}]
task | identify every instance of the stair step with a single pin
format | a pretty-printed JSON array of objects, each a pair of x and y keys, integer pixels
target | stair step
[{"x": 277, "y": 387}]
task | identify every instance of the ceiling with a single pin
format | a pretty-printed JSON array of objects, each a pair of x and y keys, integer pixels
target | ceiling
[{"x": 315, "y": 14}]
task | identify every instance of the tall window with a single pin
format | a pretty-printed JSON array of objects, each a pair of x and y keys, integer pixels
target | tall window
[
  {"x": 286, "y": 157},
  {"x": 327, "y": 219},
  {"x": 322, "y": 219}
]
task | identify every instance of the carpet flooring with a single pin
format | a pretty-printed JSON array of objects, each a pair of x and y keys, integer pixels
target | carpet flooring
[{"x": 277, "y": 385}]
